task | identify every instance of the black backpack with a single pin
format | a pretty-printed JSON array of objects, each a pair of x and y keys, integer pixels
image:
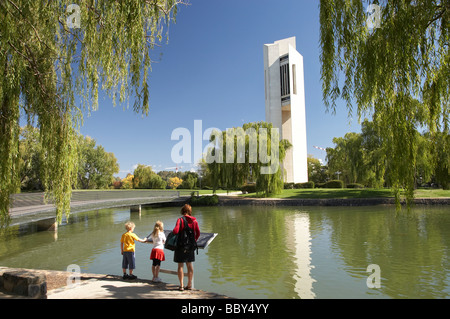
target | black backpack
[{"x": 186, "y": 238}]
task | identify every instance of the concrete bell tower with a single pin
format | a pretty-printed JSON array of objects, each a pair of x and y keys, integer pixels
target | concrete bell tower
[{"x": 285, "y": 104}]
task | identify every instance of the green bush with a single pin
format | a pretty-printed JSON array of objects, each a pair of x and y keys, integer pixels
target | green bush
[
  {"x": 309, "y": 184},
  {"x": 334, "y": 184},
  {"x": 304, "y": 185},
  {"x": 355, "y": 185},
  {"x": 212, "y": 200},
  {"x": 248, "y": 188},
  {"x": 288, "y": 185}
]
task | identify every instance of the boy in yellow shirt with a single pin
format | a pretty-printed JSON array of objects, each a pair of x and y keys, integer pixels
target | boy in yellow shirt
[{"x": 127, "y": 248}]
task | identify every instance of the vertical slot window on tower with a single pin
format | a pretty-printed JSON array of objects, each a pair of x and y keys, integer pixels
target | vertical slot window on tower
[
  {"x": 265, "y": 84},
  {"x": 284, "y": 79},
  {"x": 294, "y": 79}
]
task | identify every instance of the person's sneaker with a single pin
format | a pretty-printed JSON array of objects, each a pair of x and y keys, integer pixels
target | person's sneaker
[
  {"x": 125, "y": 276},
  {"x": 132, "y": 277}
]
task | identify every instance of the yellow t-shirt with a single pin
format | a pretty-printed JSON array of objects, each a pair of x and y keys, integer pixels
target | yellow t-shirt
[{"x": 128, "y": 241}]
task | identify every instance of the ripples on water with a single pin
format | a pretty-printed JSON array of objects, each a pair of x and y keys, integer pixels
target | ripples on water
[{"x": 264, "y": 252}]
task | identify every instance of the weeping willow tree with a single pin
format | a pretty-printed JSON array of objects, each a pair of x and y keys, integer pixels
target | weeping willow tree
[
  {"x": 391, "y": 60},
  {"x": 251, "y": 153},
  {"x": 52, "y": 51}
]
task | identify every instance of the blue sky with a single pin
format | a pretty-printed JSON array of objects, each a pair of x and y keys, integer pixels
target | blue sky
[{"x": 212, "y": 70}]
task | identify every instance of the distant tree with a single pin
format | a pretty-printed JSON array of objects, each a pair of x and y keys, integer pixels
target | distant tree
[
  {"x": 317, "y": 173},
  {"x": 441, "y": 149},
  {"x": 366, "y": 157},
  {"x": 174, "y": 182},
  {"x": 189, "y": 180},
  {"x": 96, "y": 167},
  {"x": 144, "y": 177},
  {"x": 204, "y": 174},
  {"x": 117, "y": 184},
  {"x": 30, "y": 152},
  {"x": 231, "y": 167},
  {"x": 127, "y": 182},
  {"x": 165, "y": 175},
  {"x": 374, "y": 155},
  {"x": 425, "y": 164},
  {"x": 346, "y": 158}
]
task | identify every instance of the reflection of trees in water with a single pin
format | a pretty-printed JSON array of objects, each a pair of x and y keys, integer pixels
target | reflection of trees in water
[
  {"x": 411, "y": 248},
  {"x": 76, "y": 242},
  {"x": 251, "y": 249},
  {"x": 256, "y": 248}
]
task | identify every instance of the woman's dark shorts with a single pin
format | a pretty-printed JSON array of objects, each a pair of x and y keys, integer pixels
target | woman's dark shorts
[{"x": 184, "y": 256}]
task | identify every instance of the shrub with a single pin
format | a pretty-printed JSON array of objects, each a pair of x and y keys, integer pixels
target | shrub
[
  {"x": 174, "y": 182},
  {"x": 309, "y": 184},
  {"x": 288, "y": 185},
  {"x": 355, "y": 185},
  {"x": 304, "y": 185},
  {"x": 334, "y": 184},
  {"x": 117, "y": 184},
  {"x": 248, "y": 188},
  {"x": 204, "y": 200},
  {"x": 127, "y": 182}
]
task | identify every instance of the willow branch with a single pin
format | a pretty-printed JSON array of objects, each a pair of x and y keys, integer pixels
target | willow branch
[{"x": 32, "y": 26}]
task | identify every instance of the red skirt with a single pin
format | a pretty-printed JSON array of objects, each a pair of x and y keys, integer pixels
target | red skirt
[{"x": 157, "y": 254}]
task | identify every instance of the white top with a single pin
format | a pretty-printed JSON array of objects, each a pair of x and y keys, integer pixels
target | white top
[{"x": 158, "y": 241}]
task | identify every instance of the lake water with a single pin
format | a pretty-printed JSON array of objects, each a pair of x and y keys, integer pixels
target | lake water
[{"x": 265, "y": 252}]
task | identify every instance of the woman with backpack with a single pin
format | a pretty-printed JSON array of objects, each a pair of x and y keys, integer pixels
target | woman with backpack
[{"x": 188, "y": 233}]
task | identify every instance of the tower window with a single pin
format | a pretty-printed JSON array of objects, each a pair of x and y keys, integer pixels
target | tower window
[
  {"x": 265, "y": 83},
  {"x": 294, "y": 78},
  {"x": 284, "y": 79}
]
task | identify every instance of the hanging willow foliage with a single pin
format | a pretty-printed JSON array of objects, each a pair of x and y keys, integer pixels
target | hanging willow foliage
[
  {"x": 251, "y": 153},
  {"x": 398, "y": 72},
  {"x": 48, "y": 55}
]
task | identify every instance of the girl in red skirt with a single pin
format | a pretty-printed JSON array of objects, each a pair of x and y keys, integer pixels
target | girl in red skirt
[{"x": 157, "y": 254}]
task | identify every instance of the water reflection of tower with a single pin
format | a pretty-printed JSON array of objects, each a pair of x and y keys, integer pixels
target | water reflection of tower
[{"x": 298, "y": 229}]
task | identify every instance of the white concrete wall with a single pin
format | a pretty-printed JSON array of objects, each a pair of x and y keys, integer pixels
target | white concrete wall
[
  {"x": 298, "y": 118},
  {"x": 293, "y": 126},
  {"x": 283, "y": 45},
  {"x": 273, "y": 85}
]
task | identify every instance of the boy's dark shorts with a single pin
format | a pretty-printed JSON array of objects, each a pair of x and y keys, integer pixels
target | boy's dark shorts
[{"x": 128, "y": 260}]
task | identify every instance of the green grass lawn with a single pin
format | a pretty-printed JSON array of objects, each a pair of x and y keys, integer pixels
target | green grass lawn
[
  {"x": 326, "y": 193},
  {"x": 352, "y": 193},
  {"x": 427, "y": 193}
]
